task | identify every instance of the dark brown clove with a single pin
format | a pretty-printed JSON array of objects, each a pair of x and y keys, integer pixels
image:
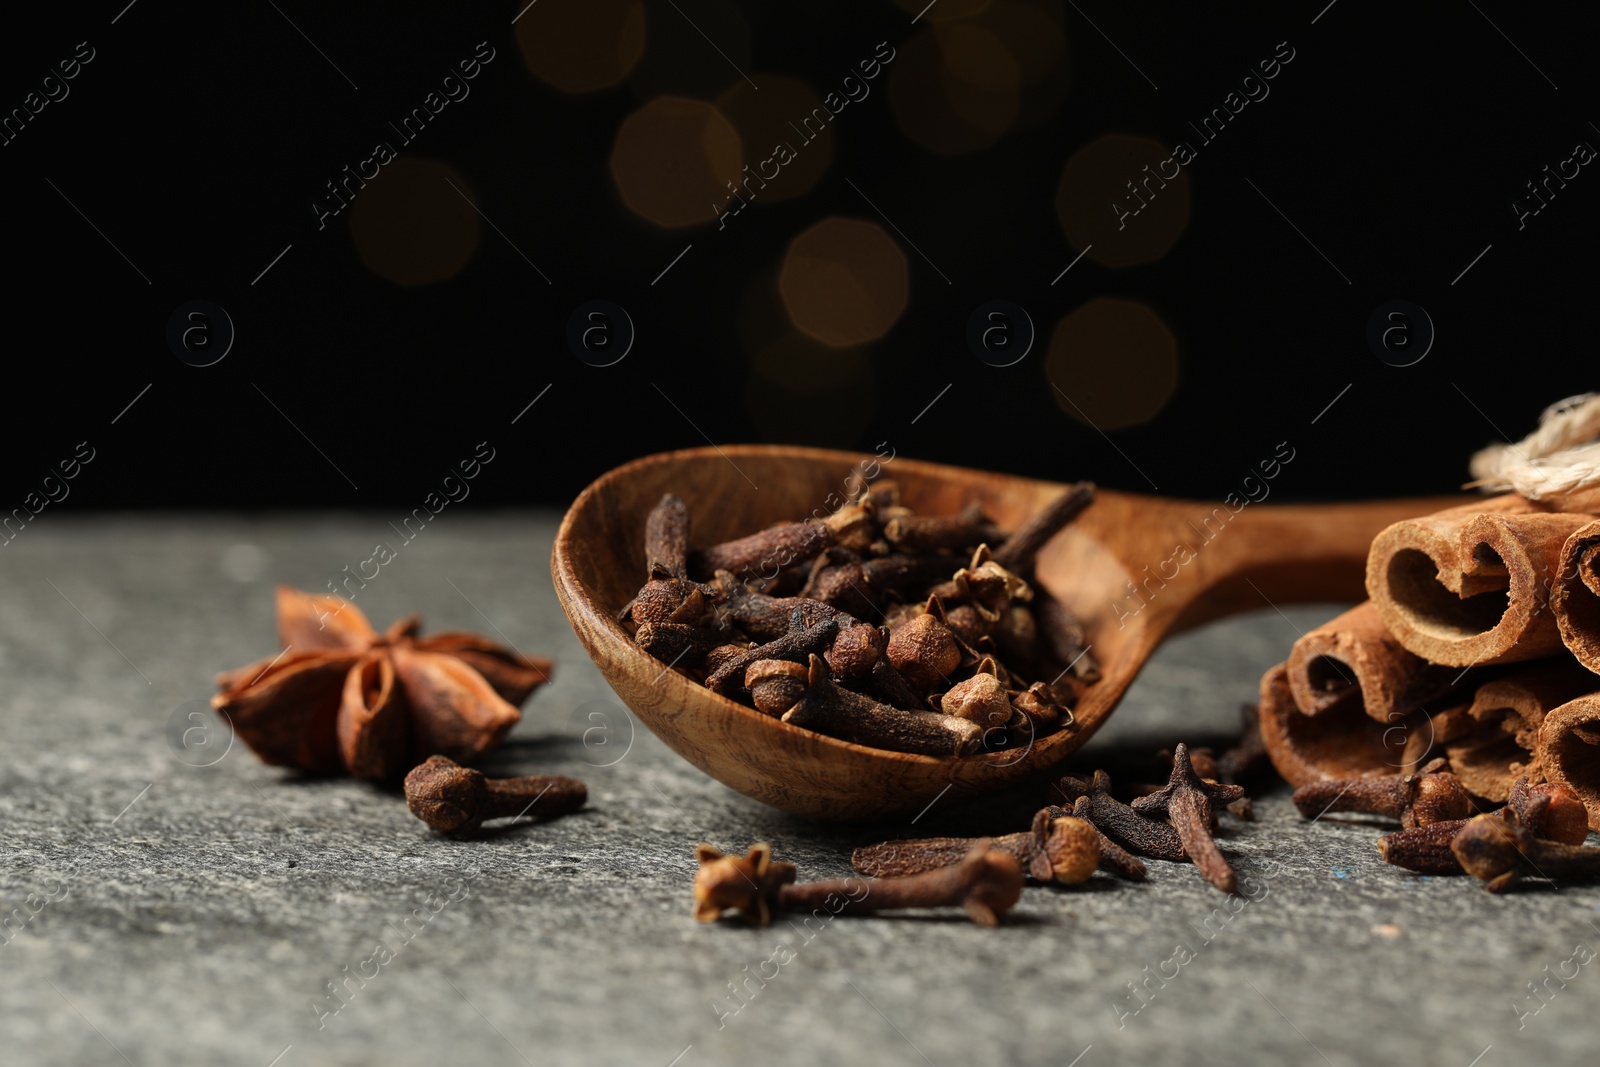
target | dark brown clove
[
  {"x": 849, "y": 716},
  {"x": 1187, "y": 799},
  {"x": 1500, "y": 850},
  {"x": 666, "y": 539},
  {"x": 930, "y": 533},
  {"x": 1249, "y": 756},
  {"x": 1552, "y": 811},
  {"x": 1113, "y": 857},
  {"x": 1017, "y": 552},
  {"x": 1433, "y": 795},
  {"x": 678, "y": 645},
  {"x": 925, "y": 653},
  {"x": 1056, "y": 848},
  {"x": 762, "y": 555},
  {"x": 1118, "y": 821},
  {"x": 775, "y": 685},
  {"x": 454, "y": 799},
  {"x": 986, "y": 883},
  {"x": 795, "y": 647}
]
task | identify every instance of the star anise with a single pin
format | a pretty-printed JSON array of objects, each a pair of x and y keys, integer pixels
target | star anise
[{"x": 342, "y": 696}]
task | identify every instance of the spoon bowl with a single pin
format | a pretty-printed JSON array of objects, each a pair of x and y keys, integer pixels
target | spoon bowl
[{"x": 1133, "y": 568}]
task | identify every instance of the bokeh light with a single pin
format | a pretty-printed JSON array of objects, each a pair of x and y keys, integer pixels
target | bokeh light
[
  {"x": 844, "y": 281},
  {"x": 955, "y": 88},
  {"x": 1125, "y": 226},
  {"x": 1113, "y": 364},
  {"x": 764, "y": 119},
  {"x": 410, "y": 226},
  {"x": 580, "y": 46},
  {"x": 1031, "y": 30},
  {"x": 673, "y": 159}
]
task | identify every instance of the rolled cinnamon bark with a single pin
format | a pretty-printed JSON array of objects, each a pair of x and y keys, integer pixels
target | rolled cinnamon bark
[
  {"x": 1575, "y": 596},
  {"x": 1340, "y": 741},
  {"x": 1503, "y": 742},
  {"x": 1353, "y": 661},
  {"x": 1569, "y": 750},
  {"x": 1467, "y": 585}
]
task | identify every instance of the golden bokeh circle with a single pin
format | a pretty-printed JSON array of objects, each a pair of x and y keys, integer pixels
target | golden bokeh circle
[
  {"x": 579, "y": 46},
  {"x": 1126, "y": 227},
  {"x": 785, "y": 130},
  {"x": 1112, "y": 364},
  {"x": 673, "y": 159},
  {"x": 955, "y": 88},
  {"x": 844, "y": 282},
  {"x": 410, "y": 226}
]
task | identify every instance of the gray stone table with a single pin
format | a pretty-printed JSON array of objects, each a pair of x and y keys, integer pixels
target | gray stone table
[{"x": 165, "y": 913}]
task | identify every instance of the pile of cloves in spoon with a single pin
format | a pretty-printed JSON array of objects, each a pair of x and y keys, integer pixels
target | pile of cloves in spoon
[{"x": 875, "y": 625}]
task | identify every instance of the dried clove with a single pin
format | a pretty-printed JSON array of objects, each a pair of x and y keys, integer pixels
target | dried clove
[
  {"x": 666, "y": 539},
  {"x": 1017, "y": 552},
  {"x": 457, "y": 800},
  {"x": 775, "y": 685},
  {"x": 986, "y": 883},
  {"x": 1121, "y": 823},
  {"x": 930, "y": 533},
  {"x": 770, "y": 550},
  {"x": 1499, "y": 849},
  {"x": 829, "y": 709},
  {"x": 1113, "y": 857},
  {"x": 1249, "y": 756},
  {"x": 678, "y": 645},
  {"x": 925, "y": 653},
  {"x": 1552, "y": 811},
  {"x": 1433, "y": 795},
  {"x": 1187, "y": 799},
  {"x": 795, "y": 647},
  {"x": 1056, "y": 848}
]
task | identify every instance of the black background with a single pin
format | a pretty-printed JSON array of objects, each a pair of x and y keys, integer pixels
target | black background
[{"x": 198, "y": 136}]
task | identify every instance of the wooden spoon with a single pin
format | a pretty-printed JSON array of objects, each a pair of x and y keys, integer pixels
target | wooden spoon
[{"x": 1261, "y": 556}]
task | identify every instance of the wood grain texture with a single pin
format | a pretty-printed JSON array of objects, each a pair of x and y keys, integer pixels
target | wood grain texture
[{"x": 1122, "y": 567}]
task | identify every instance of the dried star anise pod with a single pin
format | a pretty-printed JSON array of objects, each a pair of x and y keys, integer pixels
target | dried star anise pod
[{"x": 342, "y": 696}]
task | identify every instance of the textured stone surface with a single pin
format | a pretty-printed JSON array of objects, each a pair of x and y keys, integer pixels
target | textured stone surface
[{"x": 201, "y": 910}]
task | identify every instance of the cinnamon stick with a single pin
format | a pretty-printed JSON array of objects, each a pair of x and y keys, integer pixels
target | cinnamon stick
[
  {"x": 1506, "y": 716},
  {"x": 1569, "y": 750},
  {"x": 1339, "y": 742},
  {"x": 1575, "y": 595},
  {"x": 1353, "y": 660},
  {"x": 1467, "y": 585}
]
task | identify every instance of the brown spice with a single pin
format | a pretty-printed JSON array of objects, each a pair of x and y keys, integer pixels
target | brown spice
[
  {"x": 829, "y": 709},
  {"x": 343, "y": 697},
  {"x": 1434, "y": 795},
  {"x": 1187, "y": 799},
  {"x": 1121, "y": 823},
  {"x": 986, "y": 883},
  {"x": 457, "y": 800},
  {"x": 1056, "y": 848}
]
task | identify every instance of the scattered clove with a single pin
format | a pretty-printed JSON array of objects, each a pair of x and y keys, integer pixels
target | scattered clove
[
  {"x": 1430, "y": 796},
  {"x": 1113, "y": 857},
  {"x": 1499, "y": 849},
  {"x": 1187, "y": 799},
  {"x": 1057, "y": 848},
  {"x": 457, "y": 800},
  {"x": 986, "y": 883},
  {"x": 1121, "y": 823},
  {"x": 1552, "y": 811}
]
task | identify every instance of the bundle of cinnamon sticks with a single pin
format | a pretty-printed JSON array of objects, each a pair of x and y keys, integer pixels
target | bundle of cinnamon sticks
[{"x": 1480, "y": 643}]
